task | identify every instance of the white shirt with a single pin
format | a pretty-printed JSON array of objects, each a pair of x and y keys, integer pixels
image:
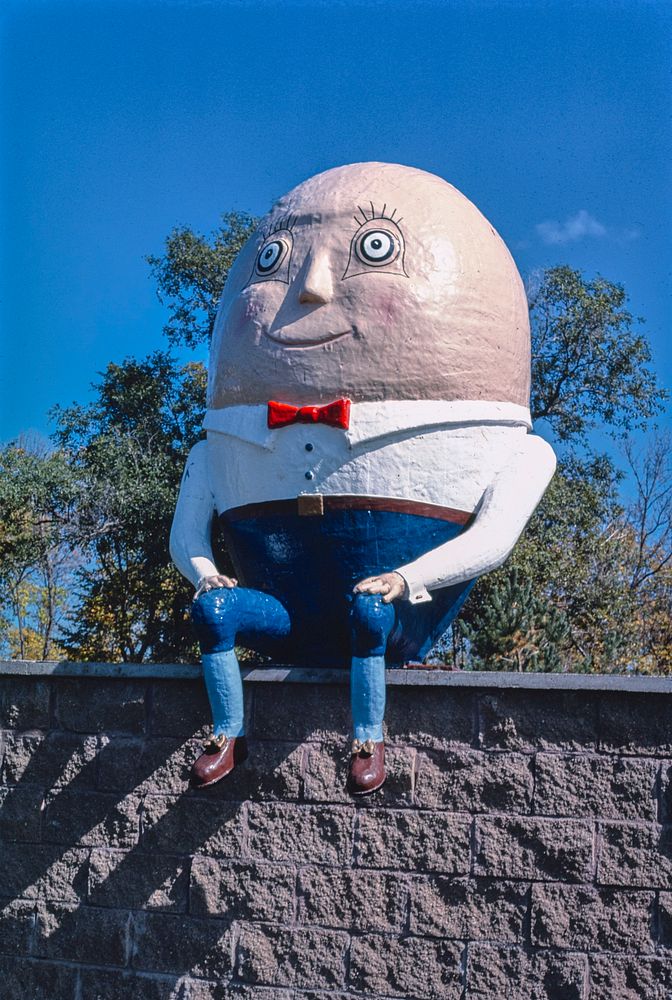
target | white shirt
[{"x": 465, "y": 455}]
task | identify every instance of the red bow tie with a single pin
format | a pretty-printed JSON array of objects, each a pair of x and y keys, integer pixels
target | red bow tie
[{"x": 336, "y": 414}]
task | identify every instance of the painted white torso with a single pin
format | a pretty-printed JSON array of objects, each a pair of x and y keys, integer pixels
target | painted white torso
[
  {"x": 435, "y": 452},
  {"x": 472, "y": 456}
]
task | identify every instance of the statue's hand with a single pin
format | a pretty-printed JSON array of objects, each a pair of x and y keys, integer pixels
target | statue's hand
[
  {"x": 213, "y": 582},
  {"x": 390, "y": 585}
]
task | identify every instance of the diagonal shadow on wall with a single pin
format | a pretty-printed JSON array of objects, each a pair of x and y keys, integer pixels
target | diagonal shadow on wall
[{"x": 98, "y": 833}]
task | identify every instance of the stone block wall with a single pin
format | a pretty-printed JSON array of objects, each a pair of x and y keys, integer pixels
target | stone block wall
[{"x": 521, "y": 849}]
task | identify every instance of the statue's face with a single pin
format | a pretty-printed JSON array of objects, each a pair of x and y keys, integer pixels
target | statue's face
[{"x": 372, "y": 281}]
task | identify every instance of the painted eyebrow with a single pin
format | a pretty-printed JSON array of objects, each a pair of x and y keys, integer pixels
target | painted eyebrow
[{"x": 383, "y": 214}]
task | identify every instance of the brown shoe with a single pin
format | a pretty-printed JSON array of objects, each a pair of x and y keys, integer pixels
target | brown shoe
[
  {"x": 219, "y": 757},
  {"x": 367, "y": 767}
]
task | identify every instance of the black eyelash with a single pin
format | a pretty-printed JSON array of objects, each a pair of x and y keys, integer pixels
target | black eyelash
[
  {"x": 288, "y": 222},
  {"x": 285, "y": 222},
  {"x": 375, "y": 215}
]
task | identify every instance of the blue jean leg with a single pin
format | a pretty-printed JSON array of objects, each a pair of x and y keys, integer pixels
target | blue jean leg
[
  {"x": 219, "y": 616},
  {"x": 371, "y": 622},
  {"x": 221, "y": 673}
]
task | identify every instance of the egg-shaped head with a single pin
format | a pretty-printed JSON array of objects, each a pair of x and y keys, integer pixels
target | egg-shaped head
[{"x": 373, "y": 281}]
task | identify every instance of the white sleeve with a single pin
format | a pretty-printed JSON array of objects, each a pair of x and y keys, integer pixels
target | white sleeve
[
  {"x": 505, "y": 508},
  {"x": 190, "y": 546}
]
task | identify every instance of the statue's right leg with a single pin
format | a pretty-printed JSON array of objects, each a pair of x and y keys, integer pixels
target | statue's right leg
[
  {"x": 371, "y": 621},
  {"x": 219, "y": 616}
]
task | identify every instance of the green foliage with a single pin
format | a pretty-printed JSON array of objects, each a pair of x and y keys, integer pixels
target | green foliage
[
  {"x": 571, "y": 579},
  {"x": 567, "y": 597},
  {"x": 124, "y": 455},
  {"x": 589, "y": 366},
  {"x": 128, "y": 450},
  {"x": 648, "y": 544},
  {"x": 514, "y": 628},
  {"x": 36, "y": 612},
  {"x": 561, "y": 578},
  {"x": 38, "y": 497},
  {"x": 190, "y": 276}
]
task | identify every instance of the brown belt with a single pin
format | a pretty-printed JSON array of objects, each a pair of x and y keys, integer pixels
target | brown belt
[{"x": 317, "y": 504}]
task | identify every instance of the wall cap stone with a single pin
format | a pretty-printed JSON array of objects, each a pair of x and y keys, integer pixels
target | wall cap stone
[{"x": 408, "y": 677}]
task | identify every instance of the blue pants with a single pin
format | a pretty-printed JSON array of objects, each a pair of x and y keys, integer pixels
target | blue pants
[{"x": 227, "y": 615}]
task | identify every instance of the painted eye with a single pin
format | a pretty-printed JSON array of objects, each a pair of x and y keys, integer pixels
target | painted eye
[
  {"x": 376, "y": 246},
  {"x": 375, "y": 250},
  {"x": 270, "y": 257}
]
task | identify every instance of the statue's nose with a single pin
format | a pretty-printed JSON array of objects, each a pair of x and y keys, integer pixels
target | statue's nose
[{"x": 315, "y": 280}]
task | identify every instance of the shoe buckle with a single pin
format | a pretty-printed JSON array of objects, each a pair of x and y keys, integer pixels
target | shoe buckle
[
  {"x": 367, "y": 747},
  {"x": 216, "y": 742}
]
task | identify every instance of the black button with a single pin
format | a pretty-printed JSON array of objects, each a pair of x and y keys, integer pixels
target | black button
[
  {"x": 310, "y": 475},
  {"x": 309, "y": 447}
]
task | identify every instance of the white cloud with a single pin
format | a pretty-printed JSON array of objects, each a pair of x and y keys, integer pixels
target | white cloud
[
  {"x": 576, "y": 227},
  {"x": 630, "y": 234}
]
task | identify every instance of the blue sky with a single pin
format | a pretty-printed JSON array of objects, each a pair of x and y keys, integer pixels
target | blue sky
[{"x": 120, "y": 120}]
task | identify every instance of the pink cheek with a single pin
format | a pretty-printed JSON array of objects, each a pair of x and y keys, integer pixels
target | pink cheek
[
  {"x": 252, "y": 310},
  {"x": 244, "y": 315},
  {"x": 386, "y": 307}
]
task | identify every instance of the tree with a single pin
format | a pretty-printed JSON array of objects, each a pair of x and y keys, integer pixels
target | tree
[
  {"x": 650, "y": 512},
  {"x": 602, "y": 564},
  {"x": 125, "y": 453},
  {"x": 569, "y": 584},
  {"x": 588, "y": 363},
  {"x": 515, "y": 628},
  {"x": 648, "y": 519},
  {"x": 37, "y": 547},
  {"x": 569, "y": 564},
  {"x": 191, "y": 273},
  {"x": 128, "y": 449}
]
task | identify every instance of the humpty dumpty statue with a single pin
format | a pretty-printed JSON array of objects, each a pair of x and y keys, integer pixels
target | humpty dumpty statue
[{"x": 368, "y": 448}]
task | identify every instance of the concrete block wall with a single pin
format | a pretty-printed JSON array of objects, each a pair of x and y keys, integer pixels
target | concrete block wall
[{"x": 521, "y": 849}]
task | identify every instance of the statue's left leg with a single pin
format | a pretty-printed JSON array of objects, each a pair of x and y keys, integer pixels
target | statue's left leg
[{"x": 371, "y": 622}]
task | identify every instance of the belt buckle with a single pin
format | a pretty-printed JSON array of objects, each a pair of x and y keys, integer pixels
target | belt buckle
[{"x": 310, "y": 505}]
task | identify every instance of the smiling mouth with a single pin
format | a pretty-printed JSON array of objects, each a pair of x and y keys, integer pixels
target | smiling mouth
[{"x": 284, "y": 341}]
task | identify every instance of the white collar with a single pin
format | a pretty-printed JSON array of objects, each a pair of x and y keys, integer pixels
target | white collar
[{"x": 369, "y": 421}]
